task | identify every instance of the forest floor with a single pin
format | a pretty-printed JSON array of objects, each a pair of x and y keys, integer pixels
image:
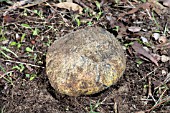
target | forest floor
[{"x": 27, "y": 29}]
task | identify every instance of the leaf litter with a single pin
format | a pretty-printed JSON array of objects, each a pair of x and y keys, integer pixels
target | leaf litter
[{"x": 140, "y": 50}]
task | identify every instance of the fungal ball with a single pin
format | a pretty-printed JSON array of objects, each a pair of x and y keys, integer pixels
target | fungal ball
[{"x": 85, "y": 62}]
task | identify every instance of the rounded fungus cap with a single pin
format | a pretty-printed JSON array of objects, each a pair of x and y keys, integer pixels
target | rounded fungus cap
[{"x": 85, "y": 62}]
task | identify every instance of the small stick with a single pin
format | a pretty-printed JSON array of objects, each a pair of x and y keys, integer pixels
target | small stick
[
  {"x": 2, "y": 76},
  {"x": 158, "y": 104},
  {"x": 23, "y": 63}
]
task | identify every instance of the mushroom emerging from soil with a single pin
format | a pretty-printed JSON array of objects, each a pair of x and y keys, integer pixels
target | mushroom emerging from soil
[{"x": 85, "y": 62}]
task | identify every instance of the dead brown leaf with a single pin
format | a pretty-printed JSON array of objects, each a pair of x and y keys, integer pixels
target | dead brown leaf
[
  {"x": 166, "y": 3},
  {"x": 140, "y": 50},
  {"x": 8, "y": 19},
  {"x": 146, "y": 5},
  {"x": 69, "y": 6},
  {"x": 134, "y": 29}
]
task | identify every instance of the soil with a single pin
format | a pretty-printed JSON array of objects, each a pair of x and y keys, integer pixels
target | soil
[{"x": 26, "y": 33}]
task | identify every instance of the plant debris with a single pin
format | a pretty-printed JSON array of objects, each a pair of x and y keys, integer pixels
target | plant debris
[{"x": 140, "y": 50}]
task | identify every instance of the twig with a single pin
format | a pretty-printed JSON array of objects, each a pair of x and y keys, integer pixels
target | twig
[
  {"x": 23, "y": 63},
  {"x": 16, "y": 5},
  {"x": 21, "y": 4},
  {"x": 158, "y": 104},
  {"x": 2, "y": 76},
  {"x": 83, "y": 5},
  {"x": 149, "y": 89}
]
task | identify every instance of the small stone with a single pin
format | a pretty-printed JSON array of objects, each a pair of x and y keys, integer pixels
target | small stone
[
  {"x": 144, "y": 40},
  {"x": 5, "y": 42},
  {"x": 156, "y": 36},
  {"x": 164, "y": 72},
  {"x": 165, "y": 58}
]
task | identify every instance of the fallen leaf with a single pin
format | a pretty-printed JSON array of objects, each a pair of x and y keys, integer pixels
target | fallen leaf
[
  {"x": 163, "y": 46},
  {"x": 140, "y": 112},
  {"x": 111, "y": 20},
  {"x": 146, "y": 5},
  {"x": 69, "y": 1},
  {"x": 8, "y": 19},
  {"x": 166, "y": 2},
  {"x": 156, "y": 56},
  {"x": 69, "y": 6},
  {"x": 134, "y": 29},
  {"x": 140, "y": 50}
]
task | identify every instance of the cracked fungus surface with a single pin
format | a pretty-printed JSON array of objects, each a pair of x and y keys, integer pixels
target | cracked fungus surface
[{"x": 85, "y": 62}]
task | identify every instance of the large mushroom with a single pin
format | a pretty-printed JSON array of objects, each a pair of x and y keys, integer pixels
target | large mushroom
[{"x": 85, "y": 62}]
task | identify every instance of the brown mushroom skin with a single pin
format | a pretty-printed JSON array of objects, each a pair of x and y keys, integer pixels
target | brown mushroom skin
[{"x": 85, "y": 62}]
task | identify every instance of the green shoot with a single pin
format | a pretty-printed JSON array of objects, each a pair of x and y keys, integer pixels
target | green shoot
[
  {"x": 31, "y": 77},
  {"x": 144, "y": 1},
  {"x": 2, "y": 69},
  {"x": 139, "y": 62},
  {"x": 5, "y": 55},
  {"x": 2, "y": 37},
  {"x": 165, "y": 29},
  {"x": 77, "y": 21},
  {"x": 7, "y": 50},
  {"x": 28, "y": 49},
  {"x": 155, "y": 20},
  {"x": 18, "y": 44},
  {"x": 99, "y": 14},
  {"x": 25, "y": 12},
  {"x": 93, "y": 108},
  {"x": 99, "y": 8},
  {"x": 19, "y": 67},
  {"x": 116, "y": 28},
  {"x": 39, "y": 13},
  {"x": 89, "y": 23},
  {"x": 98, "y": 5},
  {"x": 23, "y": 36},
  {"x": 8, "y": 78},
  {"x": 26, "y": 26},
  {"x": 34, "y": 31},
  {"x": 128, "y": 44}
]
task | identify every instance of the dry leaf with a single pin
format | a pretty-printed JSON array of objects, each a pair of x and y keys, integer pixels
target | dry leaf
[
  {"x": 8, "y": 19},
  {"x": 165, "y": 2},
  {"x": 140, "y": 50},
  {"x": 134, "y": 29},
  {"x": 22, "y": 4},
  {"x": 134, "y": 10},
  {"x": 69, "y": 1},
  {"x": 140, "y": 112},
  {"x": 70, "y": 6}
]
